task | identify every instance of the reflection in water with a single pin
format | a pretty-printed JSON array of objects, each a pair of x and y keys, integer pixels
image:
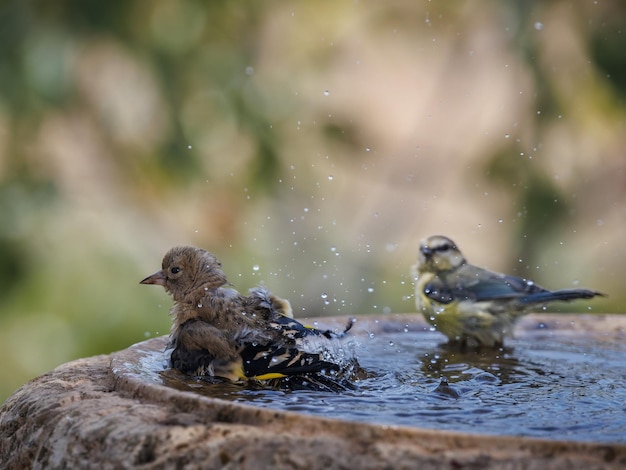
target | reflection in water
[
  {"x": 571, "y": 388},
  {"x": 497, "y": 366}
]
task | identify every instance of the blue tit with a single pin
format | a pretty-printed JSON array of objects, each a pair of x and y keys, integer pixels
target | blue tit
[{"x": 472, "y": 306}]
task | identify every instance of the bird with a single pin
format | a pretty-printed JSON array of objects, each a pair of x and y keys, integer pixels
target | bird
[
  {"x": 219, "y": 332},
  {"x": 472, "y": 306}
]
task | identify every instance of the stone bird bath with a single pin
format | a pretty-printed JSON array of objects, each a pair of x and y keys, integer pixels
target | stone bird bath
[{"x": 106, "y": 412}]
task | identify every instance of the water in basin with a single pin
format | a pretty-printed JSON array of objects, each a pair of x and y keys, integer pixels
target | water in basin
[{"x": 568, "y": 387}]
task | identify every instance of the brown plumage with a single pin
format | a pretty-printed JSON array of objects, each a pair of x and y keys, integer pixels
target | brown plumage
[{"x": 217, "y": 331}]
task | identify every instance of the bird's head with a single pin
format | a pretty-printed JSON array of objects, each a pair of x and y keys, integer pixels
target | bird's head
[
  {"x": 439, "y": 253},
  {"x": 187, "y": 270}
]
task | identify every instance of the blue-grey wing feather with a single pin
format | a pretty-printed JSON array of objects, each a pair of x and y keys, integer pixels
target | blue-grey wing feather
[{"x": 477, "y": 284}]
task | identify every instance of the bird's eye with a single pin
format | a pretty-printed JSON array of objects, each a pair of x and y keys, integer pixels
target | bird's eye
[{"x": 175, "y": 270}]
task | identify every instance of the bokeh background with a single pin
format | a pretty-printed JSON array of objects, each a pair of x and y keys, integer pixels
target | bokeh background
[{"x": 310, "y": 145}]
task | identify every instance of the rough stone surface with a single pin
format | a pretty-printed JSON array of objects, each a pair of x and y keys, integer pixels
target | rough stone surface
[{"x": 96, "y": 413}]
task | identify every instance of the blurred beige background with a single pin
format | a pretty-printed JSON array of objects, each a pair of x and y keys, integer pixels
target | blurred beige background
[{"x": 309, "y": 145}]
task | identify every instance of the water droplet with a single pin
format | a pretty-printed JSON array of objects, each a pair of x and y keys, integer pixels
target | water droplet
[
  {"x": 249, "y": 70},
  {"x": 189, "y": 147},
  {"x": 506, "y": 136},
  {"x": 326, "y": 92},
  {"x": 256, "y": 267},
  {"x": 324, "y": 295},
  {"x": 371, "y": 335},
  {"x": 199, "y": 305},
  {"x": 370, "y": 289},
  {"x": 538, "y": 25},
  {"x": 330, "y": 177}
]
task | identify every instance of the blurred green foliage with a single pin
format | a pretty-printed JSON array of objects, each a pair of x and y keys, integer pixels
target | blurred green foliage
[{"x": 310, "y": 145}]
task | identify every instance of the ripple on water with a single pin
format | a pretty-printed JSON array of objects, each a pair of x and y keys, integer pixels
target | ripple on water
[{"x": 570, "y": 388}]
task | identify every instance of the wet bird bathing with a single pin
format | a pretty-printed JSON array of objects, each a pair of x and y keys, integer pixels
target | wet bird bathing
[{"x": 560, "y": 378}]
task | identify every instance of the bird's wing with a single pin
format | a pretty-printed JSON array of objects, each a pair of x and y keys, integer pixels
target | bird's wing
[
  {"x": 477, "y": 284},
  {"x": 279, "y": 316},
  {"x": 293, "y": 329},
  {"x": 438, "y": 290},
  {"x": 202, "y": 349},
  {"x": 272, "y": 361}
]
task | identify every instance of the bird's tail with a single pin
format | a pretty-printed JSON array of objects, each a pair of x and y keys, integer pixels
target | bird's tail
[
  {"x": 330, "y": 334},
  {"x": 563, "y": 294}
]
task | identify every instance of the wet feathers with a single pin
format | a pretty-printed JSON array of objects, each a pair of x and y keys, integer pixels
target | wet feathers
[{"x": 218, "y": 332}]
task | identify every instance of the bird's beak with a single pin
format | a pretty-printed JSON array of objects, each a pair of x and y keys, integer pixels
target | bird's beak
[{"x": 156, "y": 278}]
